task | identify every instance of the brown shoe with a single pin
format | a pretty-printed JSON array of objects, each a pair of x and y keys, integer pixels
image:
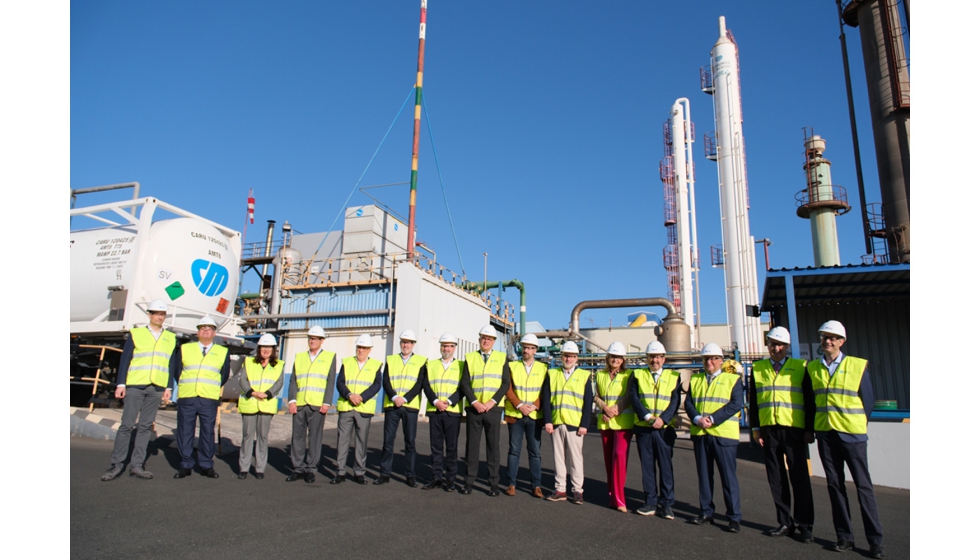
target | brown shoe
[
  {"x": 538, "y": 493},
  {"x": 556, "y": 496},
  {"x": 510, "y": 491}
]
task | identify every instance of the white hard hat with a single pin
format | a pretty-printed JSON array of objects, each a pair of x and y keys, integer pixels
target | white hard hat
[
  {"x": 779, "y": 334},
  {"x": 833, "y": 327},
  {"x": 530, "y": 340},
  {"x": 488, "y": 331},
  {"x": 316, "y": 330},
  {"x": 157, "y": 305},
  {"x": 206, "y": 321},
  {"x": 617, "y": 349},
  {"x": 267, "y": 340},
  {"x": 656, "y": 348},
  {"x": 408, "y": 334},
  {"x": 364, "y": 341},
  {"x": 448, "y": 338},
  {"x": 711, "y": 349},
  {"x": 569, "y": 348}
]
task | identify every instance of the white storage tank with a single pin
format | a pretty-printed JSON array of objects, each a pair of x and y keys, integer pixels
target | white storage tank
[{"x": 185, "y": 261}]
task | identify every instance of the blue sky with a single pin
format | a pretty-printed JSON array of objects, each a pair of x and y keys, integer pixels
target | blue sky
[{"x": 547, "y": 119}]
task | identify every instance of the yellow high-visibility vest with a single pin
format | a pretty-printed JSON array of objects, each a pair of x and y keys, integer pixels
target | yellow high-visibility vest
[
  {"x": 526, "y": 386},
  {"x": 610, "y": 390},
  {"x": 779, "y": 396},
  {"x": 839, "y": 405},
  {"x": 151, "y": 357},
  {"x": 262, "y": 379},
  {"x": 311, "y": 377},
  {"x": 568, "y": 396},
  {"x": 403, "y": 376},
  {"x": 655, "y": 396},
  {"x": 201, "y": 375},
  {"x": 711, "y": 398}
]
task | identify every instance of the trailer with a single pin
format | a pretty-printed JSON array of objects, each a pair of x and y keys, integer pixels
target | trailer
[{"x": 124, "y": 255}]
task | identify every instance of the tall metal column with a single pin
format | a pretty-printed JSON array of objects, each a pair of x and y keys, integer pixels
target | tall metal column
[{"x": 416, "y": 134}]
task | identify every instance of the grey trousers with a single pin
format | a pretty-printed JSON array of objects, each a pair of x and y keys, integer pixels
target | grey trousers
[
  {"x": 143, "y": 402},
  {"x": 306, "y": 448},
  {"x": 254, "y": 427},
  {"x": 349, "y": 421}
]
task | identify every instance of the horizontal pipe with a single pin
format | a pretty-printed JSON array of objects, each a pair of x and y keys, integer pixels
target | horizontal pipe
[
  {"x": 617, "y": 303},
  {"x": 320, "y": 315}
]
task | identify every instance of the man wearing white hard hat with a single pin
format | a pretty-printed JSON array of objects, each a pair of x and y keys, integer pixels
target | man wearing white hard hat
[
  {"x": 358, "y": 384},
  {"x": 204, "y": 370},
  {"x": 147, "y": 368},
  {"x": 310, "y": 394},
  {"x": 714, "y": 403},
  {"x": 522, "y": 412},
  {"x": 484, "y": 383},
  {"x": 567, "y": 414},
  {"x": 655, "y": 393},
  {"x": 781, "y": 413},
  {"x": 844, "y": 399},
  {"x": 260, "y": 382},
  {"x": 402, "y": 380},
  {"x": 444, "y": 411}
]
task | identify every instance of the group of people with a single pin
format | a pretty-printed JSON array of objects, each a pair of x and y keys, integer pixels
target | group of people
[{"x": 791, "y": 403}]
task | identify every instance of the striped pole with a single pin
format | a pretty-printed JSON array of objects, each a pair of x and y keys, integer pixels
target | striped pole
[{"x": 416, "y": 134}]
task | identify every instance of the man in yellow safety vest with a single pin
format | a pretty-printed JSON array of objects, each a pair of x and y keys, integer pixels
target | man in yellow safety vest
[
  {"x": 310, "y": 394},
  {"x": 146, "y": 372},
  {"x": 358, "y": 384},
  {"x": 204, "y": 370},
  {"x": 844, "y": 400}
]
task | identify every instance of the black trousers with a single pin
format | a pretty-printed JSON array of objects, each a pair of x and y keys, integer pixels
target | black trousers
[
  {"x": 443, "y": 435},
  {"x": 487, "y": 424},
  {"x": 781, "y": 442},
  {"x": 409, "y": 419},
  {"x": 835, "y": 453}
]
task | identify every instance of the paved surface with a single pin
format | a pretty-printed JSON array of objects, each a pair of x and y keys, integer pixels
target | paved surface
[{"x": 230, "y": 518}]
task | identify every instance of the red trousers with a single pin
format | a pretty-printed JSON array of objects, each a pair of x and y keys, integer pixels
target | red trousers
[{"x": 616, "y": 451}]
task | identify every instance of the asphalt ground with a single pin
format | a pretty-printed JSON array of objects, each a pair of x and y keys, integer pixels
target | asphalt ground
[{"x": 197, "y": 517}]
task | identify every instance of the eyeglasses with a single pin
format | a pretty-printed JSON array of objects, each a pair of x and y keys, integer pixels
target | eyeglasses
[
  {"x": 831, "y": 337},
  {"x": 205, "y": 328}
]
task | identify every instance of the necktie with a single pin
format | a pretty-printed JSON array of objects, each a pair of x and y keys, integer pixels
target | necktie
[
  {"x": 777, "y": 367},
  {"x": 485, "y": 357}
]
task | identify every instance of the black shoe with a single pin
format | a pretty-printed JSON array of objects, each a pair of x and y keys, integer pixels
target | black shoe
[
  {"x": 494, "y": 493},
  {"x": 877, "y": 551},
  {"x": 466, "y": 490},
  {"x": 183, "y": 473},
  {"x": 841, "y": 545},
  {"x": 666, "y": 512},
  {"x": 781, "y": 531},
  {"x": 410, "y": 481},
  {"x": 733, "y": 527},
  {"x": 360, "y": 479},
  {"x": 647, "y": 509},
  {"x": 450, "y": 487},
  {"x": 209, "y": 473},
  {"x": 382, "y": 480},
  {"x": 339, "y": 479},
  {"x": 242, "y": 475},
  {"x": 702, "y": 520},
  {"x": 806, "y": 534},
  {"x": 309, "y": 478},
  {"x": 432, "y": 484},
  {"x": 293, "y": 477},
  {"x": 259, "y": 476}
]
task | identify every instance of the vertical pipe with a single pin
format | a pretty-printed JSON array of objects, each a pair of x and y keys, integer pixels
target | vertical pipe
[
  {"x": 868, "y": 248},
  {"x": 268, "y": 245},
  {"x": 416, "y": 133},
  {"x": 695, "y": 253},
  {"x": 723, "y": 67},
  {"x": 680, "y": 136},
  {"x": 794, "y": 329}
]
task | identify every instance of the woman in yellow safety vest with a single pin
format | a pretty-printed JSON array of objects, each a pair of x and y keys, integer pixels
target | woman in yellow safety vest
[
  {"x": 615, "y": 422},
  {"x": 260, "y": 381}
]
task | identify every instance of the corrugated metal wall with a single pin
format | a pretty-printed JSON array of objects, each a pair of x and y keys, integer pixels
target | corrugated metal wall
[
  {"x": 876, "y": 331},
  {"x": 347, "y": 299}
]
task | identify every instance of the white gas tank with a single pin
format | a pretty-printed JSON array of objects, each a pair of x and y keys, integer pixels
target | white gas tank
[{"x": 186, "y": 262}]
